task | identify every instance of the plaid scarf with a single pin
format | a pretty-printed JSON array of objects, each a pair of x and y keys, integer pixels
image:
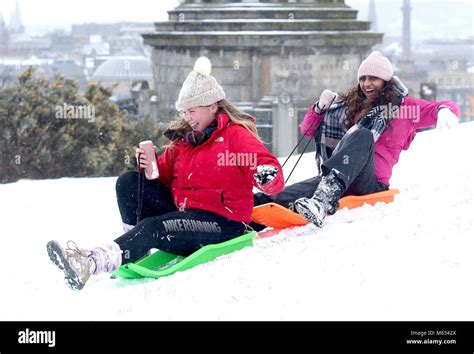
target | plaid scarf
[{"x": 376, "y": 120}]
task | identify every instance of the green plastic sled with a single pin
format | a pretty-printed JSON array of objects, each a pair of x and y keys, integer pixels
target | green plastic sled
[{"x": 161, "y": 263}]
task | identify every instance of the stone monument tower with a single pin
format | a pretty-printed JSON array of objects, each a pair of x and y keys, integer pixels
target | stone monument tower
[
  {"x": 406, "y": 63},
  {"x": 406, "y": 9},
  {"x": 282, "y": 53},
  {"x": 373, "y": 15}
]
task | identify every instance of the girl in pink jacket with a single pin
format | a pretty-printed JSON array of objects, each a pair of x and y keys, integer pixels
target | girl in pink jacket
[{"x": 361, "y": 133}]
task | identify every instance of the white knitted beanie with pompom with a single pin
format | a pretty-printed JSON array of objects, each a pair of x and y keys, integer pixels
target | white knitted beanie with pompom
[{"x": 199, "y": 88}]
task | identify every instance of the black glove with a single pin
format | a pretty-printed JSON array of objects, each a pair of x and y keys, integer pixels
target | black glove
[{"x": 265, "y": 174}]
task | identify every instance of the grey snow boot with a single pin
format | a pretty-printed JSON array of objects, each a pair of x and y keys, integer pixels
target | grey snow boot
[{"x": 324, "y": 201}]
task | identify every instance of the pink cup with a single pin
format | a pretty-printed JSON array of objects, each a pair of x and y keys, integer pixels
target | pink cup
[{"x": 151, "y": 172}]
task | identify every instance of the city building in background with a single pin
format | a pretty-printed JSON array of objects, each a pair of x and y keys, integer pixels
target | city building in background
[
  {"x": 113, "y": 54},
  {"x": 273, "y": 57}
]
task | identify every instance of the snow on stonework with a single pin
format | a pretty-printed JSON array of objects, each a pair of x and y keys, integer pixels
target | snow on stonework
[{"x": 409, "y": 260}]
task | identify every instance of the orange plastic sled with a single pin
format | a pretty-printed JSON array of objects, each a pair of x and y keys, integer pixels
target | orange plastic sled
[
  {"x": 276, "y": 216},
  {"x": 354, "y": 201},
  {"x": 279, "y": 217}
]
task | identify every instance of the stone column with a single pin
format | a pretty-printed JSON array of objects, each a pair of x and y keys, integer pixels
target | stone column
[
  {"x": 285, "y": 125},
  {"x": 263, "y": 48}
]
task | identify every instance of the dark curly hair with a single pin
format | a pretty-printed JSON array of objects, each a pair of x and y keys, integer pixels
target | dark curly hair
[{"x": 358, "y": 105}]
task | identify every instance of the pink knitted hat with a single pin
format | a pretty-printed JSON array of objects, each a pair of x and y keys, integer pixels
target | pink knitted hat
[{"x": 376, "y": 65}]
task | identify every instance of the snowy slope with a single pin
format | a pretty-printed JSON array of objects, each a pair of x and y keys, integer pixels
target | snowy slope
[{"x": 409, "y": 260}]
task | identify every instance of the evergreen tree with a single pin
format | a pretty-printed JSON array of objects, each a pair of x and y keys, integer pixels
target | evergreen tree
[{"x": 49, "y": 130}]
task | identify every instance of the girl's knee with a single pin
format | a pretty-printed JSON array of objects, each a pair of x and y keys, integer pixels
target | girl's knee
[
  {"x": 125, "y": 181},
  {"x": 364, "y": 133},
  {"x": 363, "y": 136}
]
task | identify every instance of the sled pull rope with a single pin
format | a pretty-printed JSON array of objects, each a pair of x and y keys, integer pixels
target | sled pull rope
[
  {"x": 140, "y": 191},
  {"x": 301, "y": 139}
]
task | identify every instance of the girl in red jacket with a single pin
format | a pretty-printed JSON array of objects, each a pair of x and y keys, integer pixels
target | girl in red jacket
[{"x": 203, "y": 194}]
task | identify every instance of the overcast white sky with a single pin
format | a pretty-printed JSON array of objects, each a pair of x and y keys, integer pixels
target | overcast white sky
[
  {"x": 441, "y": 18},
  {"x": 66, "y": 12},
  {"x": 448, "y": 19}
]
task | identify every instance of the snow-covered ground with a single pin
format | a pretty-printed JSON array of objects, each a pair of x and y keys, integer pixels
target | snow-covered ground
[{"x": 409, "y": 260}]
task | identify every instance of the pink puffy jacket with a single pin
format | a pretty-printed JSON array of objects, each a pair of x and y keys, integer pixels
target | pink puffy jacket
[{"x": 414, "y": 114}]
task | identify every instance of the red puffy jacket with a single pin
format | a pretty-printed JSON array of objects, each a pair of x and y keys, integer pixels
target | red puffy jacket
[{"x": 218, "y": 175}]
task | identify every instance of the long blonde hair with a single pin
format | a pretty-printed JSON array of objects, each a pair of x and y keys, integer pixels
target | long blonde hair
[{"x": 236, "y": 116}]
